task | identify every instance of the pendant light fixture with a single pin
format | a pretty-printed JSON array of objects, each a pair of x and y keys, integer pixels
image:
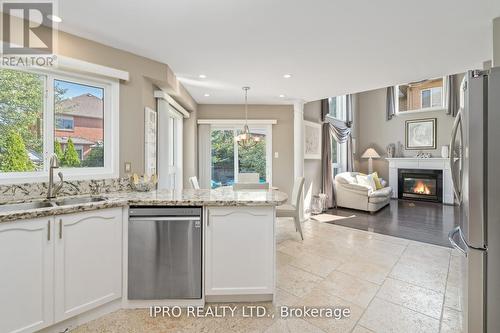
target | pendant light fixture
[{"x": 246, "y": 139}]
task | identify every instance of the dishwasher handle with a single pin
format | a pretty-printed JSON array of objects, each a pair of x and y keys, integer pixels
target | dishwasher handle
[{"x": 165, "y": 218}]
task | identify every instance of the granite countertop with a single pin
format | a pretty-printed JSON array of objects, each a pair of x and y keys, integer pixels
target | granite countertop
[{"x": 217, "y": 197}]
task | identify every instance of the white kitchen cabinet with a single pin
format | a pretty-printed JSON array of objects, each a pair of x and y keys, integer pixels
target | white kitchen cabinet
[
  {"x": 88, "y": 255},
  {"x": 239, "y": 251},
  {"x": 26, "y": 276}
]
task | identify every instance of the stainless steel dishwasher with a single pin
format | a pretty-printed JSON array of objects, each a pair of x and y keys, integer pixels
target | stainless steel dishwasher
[{"x": 164, "y": 253}]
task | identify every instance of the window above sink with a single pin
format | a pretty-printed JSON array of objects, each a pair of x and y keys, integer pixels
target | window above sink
[{"x": 45, "y": 112}]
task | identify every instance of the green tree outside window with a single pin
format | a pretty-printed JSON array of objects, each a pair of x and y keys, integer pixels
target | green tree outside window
[{"x": 70, "y": 158}]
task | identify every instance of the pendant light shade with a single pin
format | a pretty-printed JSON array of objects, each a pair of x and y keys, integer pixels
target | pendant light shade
[{"x": 246, "y": 139}]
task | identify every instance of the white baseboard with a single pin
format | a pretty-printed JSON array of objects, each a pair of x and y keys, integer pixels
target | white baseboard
[
  {"x": 71, "y": 323},
  {"x": 239, "y": 298}
]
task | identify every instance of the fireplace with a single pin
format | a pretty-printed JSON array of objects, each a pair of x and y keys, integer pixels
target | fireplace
[{"x": 419, "y": 184}]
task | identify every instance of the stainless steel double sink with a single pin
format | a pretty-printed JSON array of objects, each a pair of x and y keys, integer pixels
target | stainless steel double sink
[{"x": 46, "y": 203}]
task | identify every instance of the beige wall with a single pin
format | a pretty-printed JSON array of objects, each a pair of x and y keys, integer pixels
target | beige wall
[
  {"x": 376, "y": 132},
  {"x": 282, "y": 134},
  {"x": 146, "y": 75},
  {"x": 496, "y": 42}
]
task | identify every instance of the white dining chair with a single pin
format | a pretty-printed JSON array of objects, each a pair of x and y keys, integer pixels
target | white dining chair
[
  {"x": 293, "y": 209},
  {"x": 248, "y": 177},
  {"x": 250, "y": 186},
  {"x": 194, "y": 183}
]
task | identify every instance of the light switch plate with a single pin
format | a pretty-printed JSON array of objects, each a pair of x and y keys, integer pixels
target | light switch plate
[
  {"x": 276, "y": 154},
  {"x": 128, "y": 167}
]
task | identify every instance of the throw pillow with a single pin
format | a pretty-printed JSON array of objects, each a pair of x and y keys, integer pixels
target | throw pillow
[
  {"x": 378, "y": 184},
  {"x": 366, "y": 181}
]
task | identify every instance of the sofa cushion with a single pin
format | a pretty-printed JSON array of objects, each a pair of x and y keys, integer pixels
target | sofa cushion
[
  {"x": 357, "y": 187},
  {"x": 366, "y": 181},
  {"x": 345, "y": 178},
  {"x": 376, "y": 179}
]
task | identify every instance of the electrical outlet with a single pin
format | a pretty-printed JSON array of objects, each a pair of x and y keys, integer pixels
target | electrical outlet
[
  {"x": 276, "y": 154},
  {"x": 128, "y": 167}
]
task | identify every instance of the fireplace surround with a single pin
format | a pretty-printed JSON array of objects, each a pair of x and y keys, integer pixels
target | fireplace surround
[
  {"x": 420, "y": 184},
  {"x": 433, "y": 163}
]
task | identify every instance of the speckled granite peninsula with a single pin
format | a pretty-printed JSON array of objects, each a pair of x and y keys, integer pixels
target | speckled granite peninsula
[
  {"x": 184, "y": 247},
  {"x": 217, "y": 197}
]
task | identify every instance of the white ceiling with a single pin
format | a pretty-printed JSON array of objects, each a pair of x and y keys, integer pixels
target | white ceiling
[{"x": 331, "y": 47}]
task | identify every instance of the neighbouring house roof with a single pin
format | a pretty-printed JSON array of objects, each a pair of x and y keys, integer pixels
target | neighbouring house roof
[
  {"x": 86, "y": 105},
  {"x": 76, "y": 141}
]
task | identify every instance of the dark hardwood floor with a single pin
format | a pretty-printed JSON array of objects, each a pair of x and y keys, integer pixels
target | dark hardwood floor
[{"x": 416, "y": 220}]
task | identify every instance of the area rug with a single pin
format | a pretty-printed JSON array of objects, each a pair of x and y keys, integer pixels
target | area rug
[{"x": 325, "y": 218}]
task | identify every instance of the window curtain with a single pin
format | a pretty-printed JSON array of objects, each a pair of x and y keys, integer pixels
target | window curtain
[
  {"x": 326, "y": 156},
  {"x": 341, "y": 131},
  {"x": 391, "y": 103},
  {"x": 349, "y": 120},
  {"x": 452, "y": 96}
]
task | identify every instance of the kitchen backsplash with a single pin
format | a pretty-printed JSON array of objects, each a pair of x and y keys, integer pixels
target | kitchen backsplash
[{"x": 20, "y": 192}]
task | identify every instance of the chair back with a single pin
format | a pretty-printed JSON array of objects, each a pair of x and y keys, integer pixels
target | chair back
[
  {"x": 250, "y": 186},
  {"x": 298, "y": 187},
  {"x": 194, "y": 183},
  {"x": 248, "y": 177}
]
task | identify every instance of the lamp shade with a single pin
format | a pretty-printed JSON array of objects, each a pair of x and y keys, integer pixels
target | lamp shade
[{"x": 370, "y": 153}]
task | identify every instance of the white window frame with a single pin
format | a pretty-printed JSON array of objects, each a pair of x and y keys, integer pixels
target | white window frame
[
  {"x": 337, "y": 164},
  {"x": 169, "y": 147},
  {"x": 111, "y": 89},
  {"x": 341, "y": 103},
  {"x": 430, "y": 90},
  {"x": 441, "y": 107},
  {"x": 268, "y": 128}
]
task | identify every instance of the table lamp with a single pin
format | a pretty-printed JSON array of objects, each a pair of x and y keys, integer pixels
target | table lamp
[{"x": 370, "y": 153}]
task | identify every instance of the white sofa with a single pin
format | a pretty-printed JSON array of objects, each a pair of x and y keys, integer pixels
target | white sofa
[{"x": 350, "y": 194}]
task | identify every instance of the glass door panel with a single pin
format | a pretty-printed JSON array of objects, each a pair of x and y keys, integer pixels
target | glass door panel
[
  {"x": 253, "y": 159},
  {"x": 223, "y": 153}
]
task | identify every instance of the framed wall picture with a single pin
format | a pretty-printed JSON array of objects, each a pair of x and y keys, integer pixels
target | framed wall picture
[
  {"x": 150, "y": 134},
  {"x": 312, "y": 140},
  {"x": 420, "y": 134}
]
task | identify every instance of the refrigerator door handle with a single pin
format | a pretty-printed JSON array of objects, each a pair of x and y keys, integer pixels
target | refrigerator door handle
[
  {"x": 451, "y": 238},
  {"x": 457, "y": 181}
]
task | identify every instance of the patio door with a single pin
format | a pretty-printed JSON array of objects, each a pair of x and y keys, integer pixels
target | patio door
[{"x": 228, "y": 158}]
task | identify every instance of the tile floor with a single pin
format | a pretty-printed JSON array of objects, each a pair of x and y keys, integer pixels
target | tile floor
[{"x": 390, "y": 285}]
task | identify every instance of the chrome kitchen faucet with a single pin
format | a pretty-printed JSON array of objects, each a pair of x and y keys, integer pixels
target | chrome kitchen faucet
[{"x": 53, "y": 190}]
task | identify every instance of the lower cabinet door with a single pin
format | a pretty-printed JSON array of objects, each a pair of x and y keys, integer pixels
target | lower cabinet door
[
  {"x": 239, "y": 251},
  {"x": 88, "y": 257},
  {"x": 26, "y": 275}
]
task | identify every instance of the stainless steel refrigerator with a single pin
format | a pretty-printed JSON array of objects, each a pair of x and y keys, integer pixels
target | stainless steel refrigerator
[{"x": 475, "y": 160}]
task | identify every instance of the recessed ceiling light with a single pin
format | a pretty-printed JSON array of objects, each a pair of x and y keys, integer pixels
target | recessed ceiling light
[
  {"x": 54, "y": 18},
  {"x": 287, "y": 76},
  {"x": 206, "y": 95},
  {"x": 202, "y": 76},
  {"x": 282, "y": 96}
]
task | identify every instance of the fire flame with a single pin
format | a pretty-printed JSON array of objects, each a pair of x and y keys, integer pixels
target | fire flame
[{"x": 421, "y": 188}]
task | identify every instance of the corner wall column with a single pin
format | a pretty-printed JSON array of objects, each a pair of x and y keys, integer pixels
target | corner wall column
[
  {"x": 496, "y": 42},
  {"x": 298, "y": 146},
  {"x": 298, "y": 139}
]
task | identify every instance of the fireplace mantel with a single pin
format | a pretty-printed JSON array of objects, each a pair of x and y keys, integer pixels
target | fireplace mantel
[{"x": 433, "y": 163}]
